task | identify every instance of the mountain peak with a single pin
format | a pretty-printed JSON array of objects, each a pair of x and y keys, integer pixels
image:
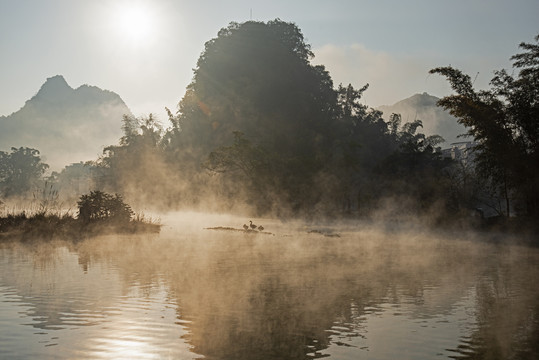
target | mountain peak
[
  {"x": 423, "y": 99},
  {"x": 64, "y": 124},
  {"x": 58, "y": 79},
  {"x": 424, "y": 107},
  {"x": 55, "y": 87}
]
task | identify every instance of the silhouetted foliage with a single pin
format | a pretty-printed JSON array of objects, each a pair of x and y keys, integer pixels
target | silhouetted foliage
[
  {"x": 242, "y": 156},
  {"x": 361, "y": 141},
  {"x": 255, "y": 78},
  {"x": 99, "y": 213},
  {"x": 20, "y": 171},
  {"x": 415, "y": 168},
  {"x": 74, "y": 180},
  {"x": 137, "y": 163},
  {"x": 100, "y": 206},
  {"x": 504, "y": 122},
  {"x": 273, "y": 133}
]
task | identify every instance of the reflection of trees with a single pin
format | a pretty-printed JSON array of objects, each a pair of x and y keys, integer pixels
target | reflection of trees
[
  {"x": 248, "y": 302},
  {"x": 48, "y": 279},
  {"x": 507, "y": 315},
  {"x": 70, "y": 284},
  {"x": 248, "y": 297},
  {"x": 278, "y": 300}
]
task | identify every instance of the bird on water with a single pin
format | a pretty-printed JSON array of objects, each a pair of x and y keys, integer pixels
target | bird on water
[
  {"x": 253, "y": 226},
  {"x": 260, "y": 228},
  {"x": 245, "y": 227}
]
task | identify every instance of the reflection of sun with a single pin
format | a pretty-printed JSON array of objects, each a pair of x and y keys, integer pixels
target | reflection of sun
[
  {"x": 128, "y": 349},
  {"x": 134, "y": 22}
]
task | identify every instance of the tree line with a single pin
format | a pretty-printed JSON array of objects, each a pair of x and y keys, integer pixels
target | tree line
[{"x": 261, "y": 126}]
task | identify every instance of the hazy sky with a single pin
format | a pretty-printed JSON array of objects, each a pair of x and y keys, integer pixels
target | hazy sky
[{"x": 145, "y": 50}]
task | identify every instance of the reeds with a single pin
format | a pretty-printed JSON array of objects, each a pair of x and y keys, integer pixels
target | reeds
[{"x": 44, "y": 224}]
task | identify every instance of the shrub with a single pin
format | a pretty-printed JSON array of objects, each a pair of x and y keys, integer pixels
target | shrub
[{"x": 100, "y": 206}]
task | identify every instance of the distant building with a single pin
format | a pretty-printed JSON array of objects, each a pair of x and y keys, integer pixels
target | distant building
[{"x": 463, "y": 151}]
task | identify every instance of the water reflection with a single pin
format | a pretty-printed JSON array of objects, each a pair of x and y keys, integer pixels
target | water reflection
[{"x": 221, "y": 295}]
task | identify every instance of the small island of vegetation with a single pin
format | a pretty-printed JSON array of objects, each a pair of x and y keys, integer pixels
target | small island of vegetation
[{"x": 98, "y": 213}]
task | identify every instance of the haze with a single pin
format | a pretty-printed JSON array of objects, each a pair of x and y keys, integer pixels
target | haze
[
  {"x": 270, "y": 212},
  {"x": 146, "y": 50}
]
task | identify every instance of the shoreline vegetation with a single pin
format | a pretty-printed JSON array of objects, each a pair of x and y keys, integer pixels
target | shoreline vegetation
[
  {"x": 47, "y": 225},
  {"x": 284, "y": 142},
  {"x": 99, "y": 214}
]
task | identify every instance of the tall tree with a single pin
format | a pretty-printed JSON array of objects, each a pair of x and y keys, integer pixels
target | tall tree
[
  {"x": 136, "y": 167},
  {"x": 256, "y": 78},
  {"x": 20, "y": 171},
  {"x": 414, "y": 168},
  {"x": 362, "y": 141},
  {"x": 504, "y": 120}
]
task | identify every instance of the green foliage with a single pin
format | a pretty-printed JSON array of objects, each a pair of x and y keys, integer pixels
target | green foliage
[
  {"x": 109, "y": 214},
  {"x": 141, "y": 131},
  {"x": 138, "y": 162},
  {"x": 47, "y": 197},
  {"x": 374, "y": 159},
  {"x": 42, "y": 225},
  {"x": 241, "y": 156},
  {"x": 414, "y": 169},
  {"x": 255, "y": 78},
  {"x": 72, "y": 181},
  {"x": 100, "y": 206},
  {"x": 504, "y": 122},
  {"x": 272, "y": 131},
  {"x": 20, "y": 170}
]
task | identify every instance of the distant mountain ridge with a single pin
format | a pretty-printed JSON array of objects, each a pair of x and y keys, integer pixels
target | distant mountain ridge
[
  {"x": 436, "y": 121},
  {"x": 66, "y": 125}
]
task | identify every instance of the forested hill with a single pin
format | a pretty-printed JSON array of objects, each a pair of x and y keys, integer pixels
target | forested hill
[
  {"x": 66, "y": 125},
  {"x": 261, "y": 129},
  {"x": 435, "y": 119}
]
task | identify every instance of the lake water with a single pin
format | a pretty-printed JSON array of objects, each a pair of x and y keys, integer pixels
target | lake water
[{"x": 343, "y": 292}]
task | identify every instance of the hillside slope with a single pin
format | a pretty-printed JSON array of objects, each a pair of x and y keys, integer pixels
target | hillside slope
[
  {"x": 435, "y": 119},
  {"x": 66, "y": 125}
]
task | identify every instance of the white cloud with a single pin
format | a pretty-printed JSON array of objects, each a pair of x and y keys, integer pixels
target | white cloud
[{"x": 391, "y": 78}]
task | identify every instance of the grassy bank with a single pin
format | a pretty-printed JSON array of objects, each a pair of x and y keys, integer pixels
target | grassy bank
[
  {"x": 47, "y": 225},
  {"x": 98, "y": 213}
]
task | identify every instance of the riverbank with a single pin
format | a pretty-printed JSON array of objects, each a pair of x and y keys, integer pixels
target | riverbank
[{"x": 46, "y": 226}]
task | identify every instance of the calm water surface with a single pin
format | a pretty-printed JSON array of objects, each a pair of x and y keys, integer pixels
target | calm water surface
[{"x": 193, "y": 293}]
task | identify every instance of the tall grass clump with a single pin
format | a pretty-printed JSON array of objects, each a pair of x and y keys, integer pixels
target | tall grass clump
[{"x": 98, "y": 213}]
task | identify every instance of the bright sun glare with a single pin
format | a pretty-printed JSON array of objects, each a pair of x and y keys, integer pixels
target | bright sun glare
[{"x": 134, "y": 23}]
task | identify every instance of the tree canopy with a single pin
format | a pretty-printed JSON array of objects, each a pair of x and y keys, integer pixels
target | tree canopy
[
  {"x": 265, "y": 120},
  {"x": 504, "y": 120},
  {"x": 271, "y": 129},
  {"x": 260, "y": 125},
  {"x": 256, "y": 79},
  {"x": 20, "y": 170}
]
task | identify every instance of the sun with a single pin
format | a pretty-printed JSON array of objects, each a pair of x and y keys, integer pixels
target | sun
[{"x": 135, "y": 23}]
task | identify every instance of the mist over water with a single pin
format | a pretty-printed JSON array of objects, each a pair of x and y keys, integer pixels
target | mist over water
[{"x": 297, "y": 291}]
